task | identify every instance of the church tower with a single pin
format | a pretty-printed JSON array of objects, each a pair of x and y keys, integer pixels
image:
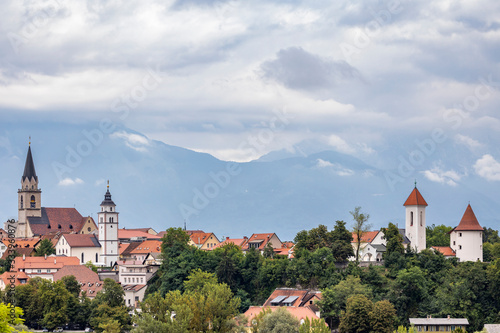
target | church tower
[
  {"x": 29, "y": 197},
  {"x": 415, "y": 219},
  {"x": 108, "y": 230}
]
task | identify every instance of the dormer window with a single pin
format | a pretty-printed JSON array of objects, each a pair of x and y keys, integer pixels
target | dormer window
[
  {"x": 58, "y": 226},
  {"x": 71, "y": 226}
]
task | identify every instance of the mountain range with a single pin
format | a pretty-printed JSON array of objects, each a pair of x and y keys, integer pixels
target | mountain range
[{"x": 160, "y": 186}]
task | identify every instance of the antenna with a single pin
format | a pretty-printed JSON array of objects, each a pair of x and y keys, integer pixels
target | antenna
[
  {"x": 185, "y": 225},
  {"x": 30, "y": 141}
]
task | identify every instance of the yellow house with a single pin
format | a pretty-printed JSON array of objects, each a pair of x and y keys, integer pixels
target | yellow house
[
  {"x": 438, "y": 324},
  {"x": 203, "y": 240}
]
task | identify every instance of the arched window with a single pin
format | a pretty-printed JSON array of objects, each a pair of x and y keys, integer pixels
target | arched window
[
  {"x": 22, "y": 203},
  {"x": 110, "y": 209},
  {"x": 83, "y": 261},
  {"x": 96, "y": 257},
  {"x": 33, "y": 202},
  {"x": 110, "y": 219},
  {"x": 421, "y": 222},
  {"x": 411, "y": 219}
]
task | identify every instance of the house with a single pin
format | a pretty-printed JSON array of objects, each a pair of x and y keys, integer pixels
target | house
[
  {"x": 86, "y": 247},
  {"x": 147, "y": 230},
  {"x": 492, "y": 328},
  {"x": 19, "y": 243},
  {"x": 131, "y": 235},
  {"x": 260, "y": 241},
  {"x": 466, "y": 239},
  {"x": 235, "y": 241},
  {"x": 3, "y": 234},
  {"x": 203, "y": 240},
  {"x": 134, "y": 272},
  {"x": 438, "y": 324},
  {"x": 16, "y": 278},
  {"x": 43, "y": 267},
  {"x": 301, "y": 313},
  {"x": 149, "y": 246},
  {"x": 294, "y": 297},
  {"x": 134, "y": 294},
  {"x": 444, "y": 250},
  {"x": 125, "y": 250},
  {"x": 19, "y": 252},
  {"x": 286, "y": 250},
  {"x": 88, "y": 279}
]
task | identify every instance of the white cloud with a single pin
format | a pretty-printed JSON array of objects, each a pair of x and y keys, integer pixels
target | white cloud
[
  {"x": 70, "y": 182},
  {"x": 134, "y": 141},
  {"x": 340, "y": 144},
  {"x": 438, "y": 175},
  {"x": 488, "y": 168},
  {"x": 468, "y": 141},
  {"x": 335, "y": 167},
  {"x": 100, "y": 182}
]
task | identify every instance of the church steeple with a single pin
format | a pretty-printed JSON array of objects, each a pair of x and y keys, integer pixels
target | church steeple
[{"x": 29, "y": 167}]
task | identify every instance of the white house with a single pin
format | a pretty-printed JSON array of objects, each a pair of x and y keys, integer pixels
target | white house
[
  {"x": 466, "y": 239},
  {"x": 86, "y": 247}
]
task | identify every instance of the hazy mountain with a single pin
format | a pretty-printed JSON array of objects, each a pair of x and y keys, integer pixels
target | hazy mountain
[{"x": 158, "y": 185}]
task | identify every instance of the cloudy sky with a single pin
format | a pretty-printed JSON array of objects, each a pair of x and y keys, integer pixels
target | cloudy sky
[{"x": 238, "y": 79}]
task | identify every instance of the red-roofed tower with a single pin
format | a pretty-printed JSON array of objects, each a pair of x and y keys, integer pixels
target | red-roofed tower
[
  {"x": 415, "y": 219},
  {"x": 108, "y": 230},
  {"x": 466, "y": 239}
]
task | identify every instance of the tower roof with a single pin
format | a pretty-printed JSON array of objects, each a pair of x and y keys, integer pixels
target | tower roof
[
  {"x": 107, "y": 199},
  {"x": 415, "y": 199},
  {"x": 469, "y": 221},
  {"x": 29, "y": 167}
]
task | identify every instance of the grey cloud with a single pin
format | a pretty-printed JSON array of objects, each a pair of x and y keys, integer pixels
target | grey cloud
[{"x": 298, "y": 69}]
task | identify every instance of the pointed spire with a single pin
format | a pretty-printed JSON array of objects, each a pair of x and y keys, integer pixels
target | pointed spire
[
  {"x": 107, "y": 198},
  {"x": 469, "y": 221},
  {"x": 29, "y": 167},
  {"x": 415, "y": 198}
]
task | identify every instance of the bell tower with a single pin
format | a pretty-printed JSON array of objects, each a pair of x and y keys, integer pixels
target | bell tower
[
  {"x": 108, "y": 230},
  {"x": 415, "y": 219},
  {"x": 29, "y": 197}
]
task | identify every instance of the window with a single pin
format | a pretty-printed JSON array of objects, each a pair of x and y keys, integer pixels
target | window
[
  {"x": 22, "y": 203},
  {"x": 111, "y": 209},
  {"x": 459, "y": 234},
  {"x": 411, "y": 219},
  {"x": 33, "y": 202},
  {"x": 48, "y": 270},
  {"x": 96, "y": 257},
  {"x": 88, "y": 229},
  {"x": 39, "y": 270},
  {"x": 83, "y": 261},
  {"x": 454, "y": 243},
  {"x": 421, "y": 222},
  {"x": 460, "y": 247}
]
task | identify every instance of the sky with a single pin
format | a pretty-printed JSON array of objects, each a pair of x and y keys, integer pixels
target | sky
[{"x": 239, "y": 79}]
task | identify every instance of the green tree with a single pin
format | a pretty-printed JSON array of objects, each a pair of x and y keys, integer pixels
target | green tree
[
  {"x": 334, "y": 299},
  {"x": 7, "y": 321},
  {"x": 360, "y": 227},
  {"x": 437, "y": 235},
  {"x": 341, "y": 242},
  {"x": 279, "y": 321},
  {"x": 110, "y": 326},
  {"x": 111, "y": 294},
  {"x": 313, "y": 239},
  {"x": 394, "y": 240},
  {"x": 198, "y": 279},
  {"x": 491, "y": 236},
  {"x": 104, "y": 313},
  {"x": 356, "y": 318},
  {"x": 383, "y": 317},
  {"x": 314, "y": 326},
  {"x": 71, "y": 285},
  {"x": 45, "y": 248}
]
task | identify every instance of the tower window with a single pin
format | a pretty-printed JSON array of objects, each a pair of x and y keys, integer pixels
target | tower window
[
  {"x": 22, "y": 203},
  {"x": 460, "y": 234},
  {"x": 110, "y": 209},
  {"x": 82, "y": 258},
  {"x": 411, "y": 219},
  {"x": 421, "y": 222},
  {"x": 460, "y": 247},
  {"x": 33, "y": 202}
]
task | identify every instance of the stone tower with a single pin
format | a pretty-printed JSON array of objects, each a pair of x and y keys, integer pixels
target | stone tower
[
  {"x": 108, "y": 230},
  {"x": 415, "y": 220},
  {"x": 29, "y": 197}
]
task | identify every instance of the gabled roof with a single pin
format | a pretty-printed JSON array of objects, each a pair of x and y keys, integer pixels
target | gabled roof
[
  {"x": 200, "y": 238},
  {"x": 130, "y": 233},
  {"x": 469, "y": 221},
  {"x": 82, "y": 240},
  {"x": 415, "y": 199},
  {"x": 29, "y": 168},
  {"x": 291, "y": 296},
  {"x": 236, "y": 241},
  {"x": 23, "y": 242},
  {"x": 64, "y": 220},
  {"x": 133, "y": 287},
  {"x": 148, "y": 246},
  {"x": 26, "y": 251},
  {"x": 445, "y": 250},
  {"x": 42, "y": 262},
  {"x": 367, "y": 237},
  {"x": 261, "y": 239},
  {"x": 20, "y": 278},
  {"x": 439, "y": 321},
  {"x": 88, "y": 279}
]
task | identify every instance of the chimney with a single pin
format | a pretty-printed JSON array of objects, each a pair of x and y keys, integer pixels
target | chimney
[
  {"x": 448, "y": 316},
  {"x": 45, "y": 256},
  {"x": 24, "y": 257}
]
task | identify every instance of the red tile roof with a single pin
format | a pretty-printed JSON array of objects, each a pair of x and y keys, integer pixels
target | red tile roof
[
  {"x": 20, "y": 278},
  {"x": 128, "y": 234},
  {"x": 287, "y": 292},
  {"x": 415, "y": 199},
  {"x": 23, "y": 242},
  {"x": 469, "y": 221},
  {"x": 26, "y": 251},
  {"x": 42, "y": 262},
  {"x": 445, "y": 250},
  {"x": 263, "y": 239},
  {"x": 236, "y": 241},
  {"x": 200, "y": 238},
  {"x": 56, "y": 219},
  {"x": 148, "y": 246},
  {"x": 367, "y": 237},
  {"x": 82, "y": 240},
  {"x": 88, "y": 279}
]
